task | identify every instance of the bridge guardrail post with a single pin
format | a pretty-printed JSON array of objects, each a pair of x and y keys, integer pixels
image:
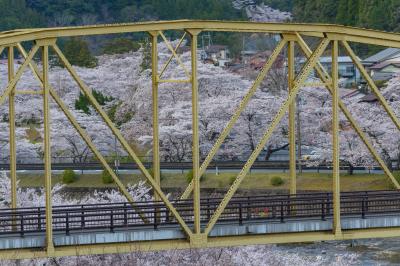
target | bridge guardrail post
[
  {"x": 67, "y": 223},
  {"x": 323, "y": 210},
  {"x": 82, "y": 217},
  {"x": 282, "y": 212},
  {"x": 22, "y": 225},
  {"x": 363, "y": 208},
  {"x": 39, "y": 220},
  {"x": 112, "y": 221},
  {"x": 273, "y": 211},
  {"x": 240, "y": 214},
  {"x": 155, "y": 218},
  {"x": 248, "y": 208},
  {"x": 208, "y": 209},
  {"x": 166, "y": 215},
  {"x": 328, "y": 204},
  {"x": 125, "y": 215}
]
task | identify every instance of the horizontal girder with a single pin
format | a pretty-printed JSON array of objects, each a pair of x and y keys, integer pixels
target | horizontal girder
[{"x": 318, "y": 30}]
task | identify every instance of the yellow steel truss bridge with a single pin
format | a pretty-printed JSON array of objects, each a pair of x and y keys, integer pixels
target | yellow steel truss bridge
[{"x": 205, "y": 226}]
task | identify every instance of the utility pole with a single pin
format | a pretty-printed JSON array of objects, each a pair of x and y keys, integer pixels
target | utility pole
[{"x": 116, "y": 161}]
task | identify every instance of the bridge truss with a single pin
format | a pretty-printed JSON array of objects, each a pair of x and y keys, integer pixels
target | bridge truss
[{"x": 197, "y": 231}]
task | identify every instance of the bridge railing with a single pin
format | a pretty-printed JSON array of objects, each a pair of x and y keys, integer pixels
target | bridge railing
[{"x": 272, "y": 208}]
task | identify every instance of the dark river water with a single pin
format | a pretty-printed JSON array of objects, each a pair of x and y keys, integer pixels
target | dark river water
[{"x": 384, "y": 251}]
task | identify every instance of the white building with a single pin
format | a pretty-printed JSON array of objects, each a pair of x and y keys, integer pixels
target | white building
[{"x": 216, "y": 54}]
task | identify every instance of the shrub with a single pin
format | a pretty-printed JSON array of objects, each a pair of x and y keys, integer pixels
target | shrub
[
  {"x": 69, "y": 176},
  {"x": 380, "y": 83},
  {"x": 396, "y": 175},
  {"x": 277, "y": 181},
  {"x": 106, "y": 177},
  {"x": 189, "y": 176}
]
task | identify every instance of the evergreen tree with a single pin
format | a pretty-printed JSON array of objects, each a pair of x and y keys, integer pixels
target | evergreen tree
[
  {"x": 120, "y": 46},
  {"x": 83, "y": 103},
  {"x": 352, "y": 11},
  {"x": 14, "y": 14},
  {"x": 77, "y": 52}
]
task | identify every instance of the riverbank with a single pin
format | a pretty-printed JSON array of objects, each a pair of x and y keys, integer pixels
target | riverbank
[{"x": 211, "y": 181}]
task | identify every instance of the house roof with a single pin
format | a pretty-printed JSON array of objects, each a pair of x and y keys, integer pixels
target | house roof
[
  {"x": 183, "y": 49},
  {"x": 341, "y": 59},
  {"x": 236, "y": 67},
  {"x": 215, "y": 48},
  {"x": 369, "y": 98},
  {"x": 248, "y": 52},
  {"x": 350, "y": 93},
  {"x": 382, "y": 55},
  {"x": 385, "y": 64},
  {"x": 328, "y": 59},
  {"x": 263, "y": 55}
]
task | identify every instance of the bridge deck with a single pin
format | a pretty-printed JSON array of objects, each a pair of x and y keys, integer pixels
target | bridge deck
[{"x": 120, "y": 222}]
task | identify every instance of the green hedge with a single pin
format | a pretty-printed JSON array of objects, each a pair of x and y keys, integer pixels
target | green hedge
[
  {"x": 277, "y": 181},
  {"x": 69, "y": 176},
  {"x": 106, "y": 177}
]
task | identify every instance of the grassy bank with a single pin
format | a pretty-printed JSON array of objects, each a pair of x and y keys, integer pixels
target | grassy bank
[{"x": 258, "y": 180}]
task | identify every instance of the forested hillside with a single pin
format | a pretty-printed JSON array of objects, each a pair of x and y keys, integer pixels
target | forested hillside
[
  {"x": 34, "y": 13},
  {"x": 377, "y": 14}
]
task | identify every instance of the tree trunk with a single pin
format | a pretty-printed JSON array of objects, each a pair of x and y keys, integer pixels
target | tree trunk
[
  {"x": 398, "y": 161},
  {"x": 388, "y": 160},
  {"x": 350, "y": 170},
  {"x": 270, "y": 151}
]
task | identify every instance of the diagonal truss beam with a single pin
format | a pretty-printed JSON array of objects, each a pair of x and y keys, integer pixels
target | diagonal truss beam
[
  {"x": 82, "y": 133},
  {"x": 174, "y": 54},
  {"x": 13, "y": 82},
  {"x": 278, "y": 117},
  {"x": 371, "y": 83},
  {"x": 87, "y": 91},
  {"x": 326, "y": 79},
  {"x": 242, "y": 105},
  {"x": 1, "y": 49}
]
